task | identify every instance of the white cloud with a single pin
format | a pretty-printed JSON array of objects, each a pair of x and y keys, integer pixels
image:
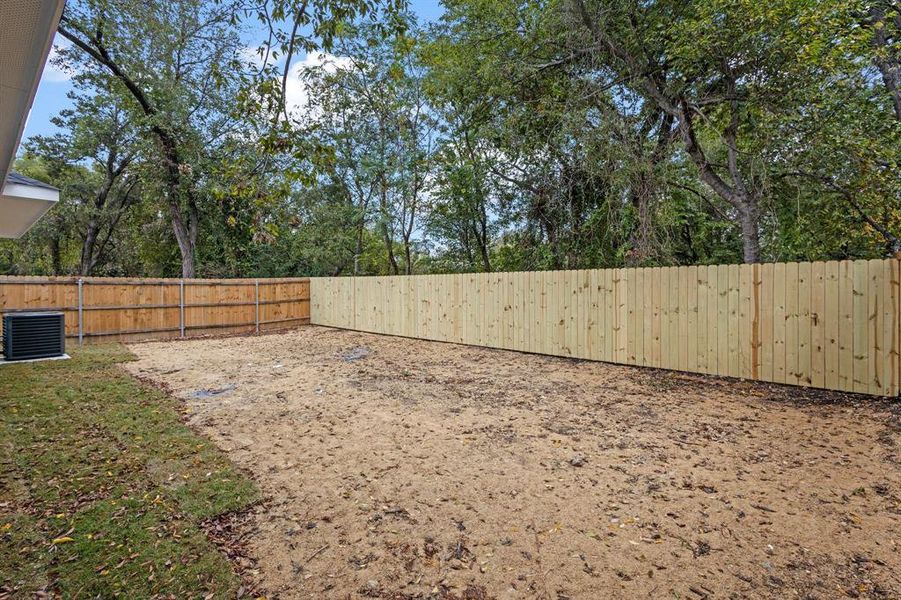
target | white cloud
[
  {"x": 297, "y": 93},
  {"x": 252, "y": 56}
]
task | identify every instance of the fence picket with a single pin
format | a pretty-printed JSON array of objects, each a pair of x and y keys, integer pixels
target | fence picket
[
  {"x": 135, "y": 309},
  {"x": 833, "y": 324}
]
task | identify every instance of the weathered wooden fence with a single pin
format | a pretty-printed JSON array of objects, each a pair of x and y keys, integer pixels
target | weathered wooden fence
[
  {"x": 830, "y": 325},
  {"x": 101, "y": 308}
]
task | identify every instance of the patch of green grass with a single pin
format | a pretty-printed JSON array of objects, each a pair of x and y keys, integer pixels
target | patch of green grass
[{"x": 103, "y": 488}]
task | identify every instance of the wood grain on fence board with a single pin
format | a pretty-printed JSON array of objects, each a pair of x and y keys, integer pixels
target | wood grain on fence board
[
  {"x": 831, "y": 325},
  {"x": 133, "y": 309}
]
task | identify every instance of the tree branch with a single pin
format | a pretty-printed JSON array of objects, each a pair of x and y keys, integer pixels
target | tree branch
[{"x": 893, "y": 241}]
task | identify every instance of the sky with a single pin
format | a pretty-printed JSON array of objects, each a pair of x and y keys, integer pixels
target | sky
[{"x": 52, "y": 92}]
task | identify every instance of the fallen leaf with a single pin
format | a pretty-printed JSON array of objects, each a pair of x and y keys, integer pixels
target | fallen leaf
[{"x": 63, "y": 540}]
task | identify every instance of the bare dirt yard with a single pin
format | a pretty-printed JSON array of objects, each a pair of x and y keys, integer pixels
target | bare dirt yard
[{"x": 397, "y": 468}]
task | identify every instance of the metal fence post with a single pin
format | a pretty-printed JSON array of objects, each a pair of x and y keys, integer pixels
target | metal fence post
[
  {"x": 181, "y": 308},
  {"x": 80, "y": 311},
  {"x": 256, "y": 286}
]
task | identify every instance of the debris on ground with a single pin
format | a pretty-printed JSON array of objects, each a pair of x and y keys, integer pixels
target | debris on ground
[
  {"x": 357, "y": 353},
  {"x": 213, "y": 392},
  {"x": 452, "y": 472}
]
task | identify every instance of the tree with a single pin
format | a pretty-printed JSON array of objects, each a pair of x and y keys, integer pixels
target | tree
[
  {"x": 551, "y": 150},
  {"x": 459, "y": 215},
  {"x": 97, "y": 134},
  {"x": 47, "y": 248},
  {"x": 175, "y": 67},
  {"x": 510, "y": 135},
  {"x": 371, "y": 115},
  {"x": 882, "y": 21},
  {"x": 644, "y": 46},
  {"x": 724, "y": 104}
]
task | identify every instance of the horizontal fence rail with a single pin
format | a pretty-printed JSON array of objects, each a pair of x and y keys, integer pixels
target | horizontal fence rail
[
  {"x": 833, "y": 325},
  {"x": 106, "y": 308}
]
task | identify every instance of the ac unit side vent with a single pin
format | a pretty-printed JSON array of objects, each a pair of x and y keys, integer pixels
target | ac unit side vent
[{"x": 30, "y": 335}]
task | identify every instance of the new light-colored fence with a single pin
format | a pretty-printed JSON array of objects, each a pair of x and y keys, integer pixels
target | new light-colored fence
[
  {"x": 831, "y": 325},
  {"x": 101, "y": 308}
]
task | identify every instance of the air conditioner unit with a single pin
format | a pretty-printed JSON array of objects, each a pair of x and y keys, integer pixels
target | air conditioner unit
[{"x": 29, "y": 335}]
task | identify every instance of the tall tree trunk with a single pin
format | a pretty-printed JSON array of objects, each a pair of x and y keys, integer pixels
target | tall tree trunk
[
  {"x": 467, "y": 248},
  {"x": 389, "y": 248},
  {"x": 185, "y": 232},
  {"x": 750, "y": 232},
  {"x": 408, "y": 257},
  {"x": 640, "y": 239},
  {"x": 187, "y": 261},
  {"x": 479, "y": 230},
  {"x": 93, "y": 248},
  {"x": 408, "y": 226},
  {"x": 56, "y": 255},
  {"x": 361, "y": 229},
  {"x": 482, "y": 236},
  {"x": 385, "y": 211},
  {"x": 186, "y": 236},
  {"x": 87, "y": 247},
  {"x": 358, "y": 250},
  {"x": 486, "y": 259}
]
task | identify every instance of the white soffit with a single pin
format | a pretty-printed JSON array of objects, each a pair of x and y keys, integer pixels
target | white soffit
[{"x": 28, "y": 27}]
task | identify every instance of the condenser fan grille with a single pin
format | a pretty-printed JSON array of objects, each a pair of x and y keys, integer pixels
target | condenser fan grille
[{"x": 33, "y": 335}]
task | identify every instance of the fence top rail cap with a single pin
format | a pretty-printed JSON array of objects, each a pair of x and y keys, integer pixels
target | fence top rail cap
[{"x": 629, "y": 269}]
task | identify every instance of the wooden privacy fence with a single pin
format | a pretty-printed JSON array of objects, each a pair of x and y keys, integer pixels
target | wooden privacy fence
[
  {"x": 101, "y": 308},
  {"x": 830, "y": 325}
]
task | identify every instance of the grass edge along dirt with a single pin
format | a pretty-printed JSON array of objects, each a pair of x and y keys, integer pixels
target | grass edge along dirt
[{"x": 103, "y": 488}]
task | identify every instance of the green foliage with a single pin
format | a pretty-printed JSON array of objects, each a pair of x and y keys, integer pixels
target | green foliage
[
  {"x": 573, "y": 126},
  {"x": 510, "y": 135}
]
